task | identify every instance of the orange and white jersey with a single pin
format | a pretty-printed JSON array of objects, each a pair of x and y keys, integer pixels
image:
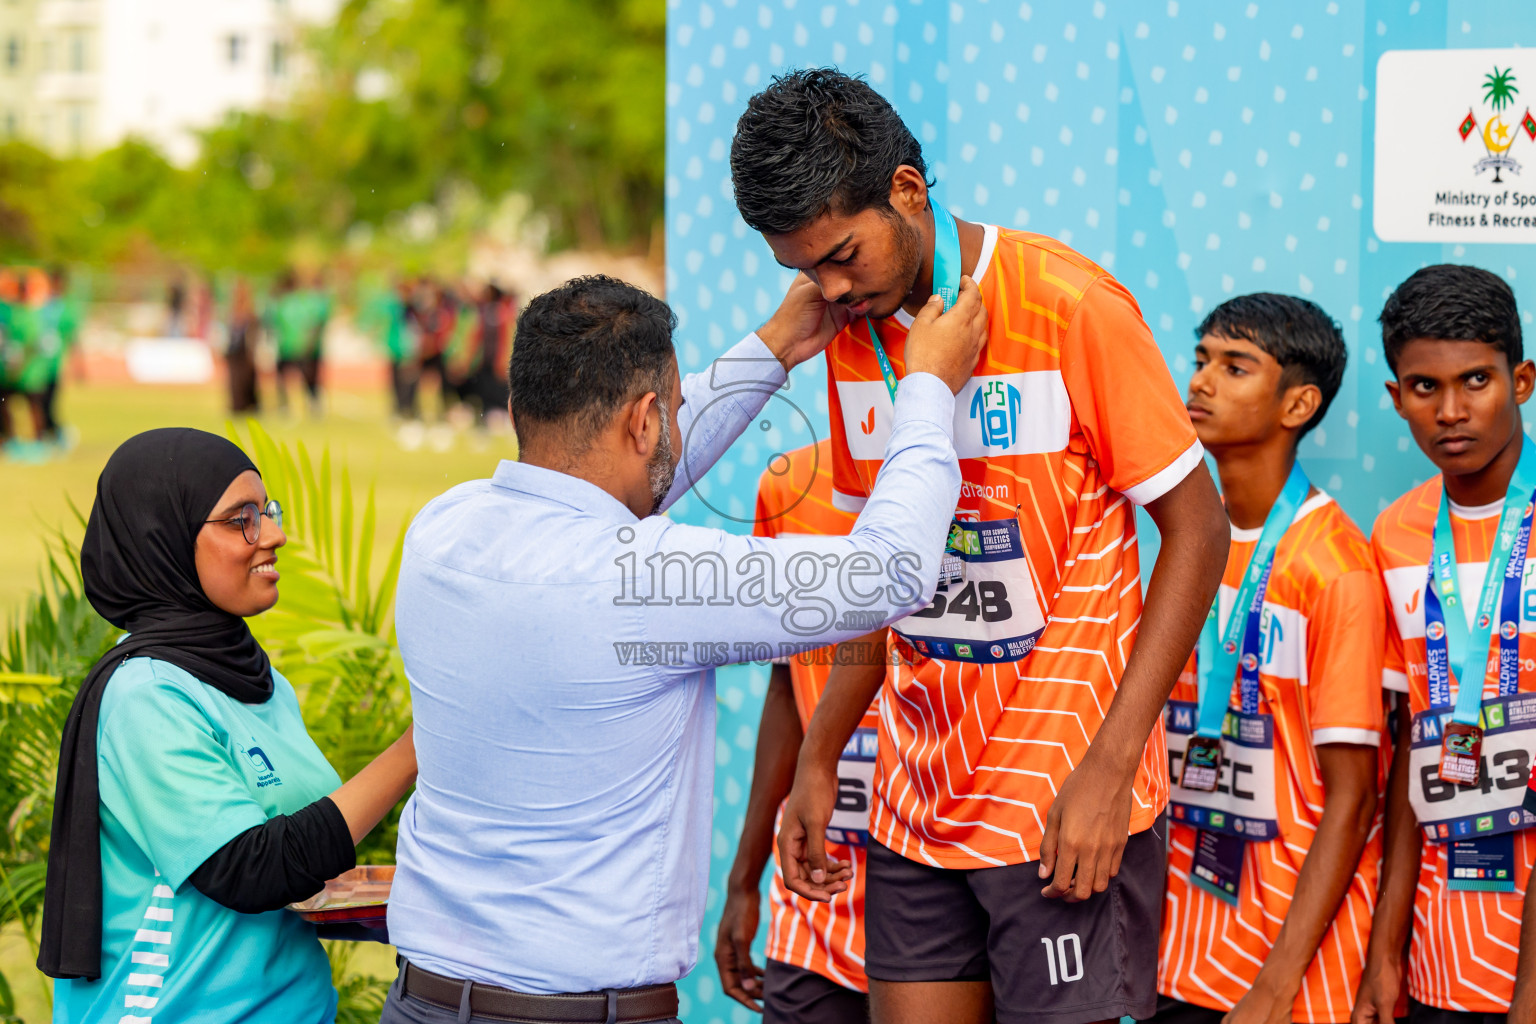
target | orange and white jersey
[
  {"x": 1070, "y": 418},
  {"x": 825, "y": 938},
  {"x": 1323, "y": 629},
  {"x": 1464, "y": 943}
]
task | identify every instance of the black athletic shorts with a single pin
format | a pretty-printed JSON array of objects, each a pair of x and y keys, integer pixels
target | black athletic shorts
[
  {"x": 1419, "y": 1013},
  {"x": 1048, "y": 960},
  {"x": 1174, "y": 1011},
  {"x": 794, "y": 995}
]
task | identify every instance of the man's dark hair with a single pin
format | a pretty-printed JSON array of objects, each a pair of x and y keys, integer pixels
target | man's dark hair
[
  {"x": 815, "y": 141},
  {"x": 1450, "y": 302},
  {"x": 1303, "y": 339},
  {"x": 584, "y": 349}
]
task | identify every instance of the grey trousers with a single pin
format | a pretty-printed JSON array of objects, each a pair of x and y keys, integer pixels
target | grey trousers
[{"x": 400, "y": 1008}]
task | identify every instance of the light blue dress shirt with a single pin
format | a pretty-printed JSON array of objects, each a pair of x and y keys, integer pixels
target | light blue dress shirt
[{"x": 562, "y": 655}]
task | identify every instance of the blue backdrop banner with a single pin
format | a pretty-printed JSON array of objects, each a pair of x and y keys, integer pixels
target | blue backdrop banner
[{"x": 1197, "y": 149}]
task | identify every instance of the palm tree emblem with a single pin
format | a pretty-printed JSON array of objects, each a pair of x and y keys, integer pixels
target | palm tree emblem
[
  {"x": 1499, "y": 92},
  {"x": 1499, "y": 89}
]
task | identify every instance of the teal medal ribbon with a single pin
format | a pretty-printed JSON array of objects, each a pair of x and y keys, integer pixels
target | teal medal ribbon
[
  {"x": 946, "y": 283},
  {"x": 1217, "y": 664},
  {"x": 1452, "y": 648}
]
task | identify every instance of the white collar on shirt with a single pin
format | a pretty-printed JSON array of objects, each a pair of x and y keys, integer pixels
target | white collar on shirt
[
  {"x": 1474, "y": 512},
  {"x": 988, "y": 243}
]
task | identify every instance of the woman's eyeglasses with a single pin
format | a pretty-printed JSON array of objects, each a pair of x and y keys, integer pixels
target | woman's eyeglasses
[{"x": 249, "y": 519}]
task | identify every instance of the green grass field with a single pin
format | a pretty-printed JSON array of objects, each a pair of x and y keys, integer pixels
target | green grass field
[
  {"x": 37, "y": 498},
  {"x": 355, "y": 427}
]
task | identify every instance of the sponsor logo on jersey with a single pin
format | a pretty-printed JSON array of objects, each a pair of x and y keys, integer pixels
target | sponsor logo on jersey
[
  {"x": 999, "y": 414},
  {"x": 996, "y": 409}
]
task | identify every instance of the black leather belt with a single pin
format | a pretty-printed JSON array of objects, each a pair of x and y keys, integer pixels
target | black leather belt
[{"x": 619, "y": 1006}]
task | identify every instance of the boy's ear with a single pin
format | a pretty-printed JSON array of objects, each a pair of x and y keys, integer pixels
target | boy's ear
[
  {"x": 1299, "y": 404},
  {"x": 1525, "y": 380},
  {"x": 1396, "y": 391}
]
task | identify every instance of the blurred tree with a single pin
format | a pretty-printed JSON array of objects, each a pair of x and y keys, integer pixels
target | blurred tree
[
  {"x": 561, "y": 101},
  {"x": 416, "y": 118}
]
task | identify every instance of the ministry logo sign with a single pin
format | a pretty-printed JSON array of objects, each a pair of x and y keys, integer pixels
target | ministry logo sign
[
  {"x": 1498, "y": 135},
  {"x": 1433, "y": 184}
]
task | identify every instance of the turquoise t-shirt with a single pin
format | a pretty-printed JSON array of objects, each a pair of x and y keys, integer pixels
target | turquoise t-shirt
[{"x": 184, "y": 769}]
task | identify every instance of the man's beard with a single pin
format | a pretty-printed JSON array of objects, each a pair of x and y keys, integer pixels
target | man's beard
[
  {"x": 662, "y": 469},
  {"x": 908, "y": 260}
]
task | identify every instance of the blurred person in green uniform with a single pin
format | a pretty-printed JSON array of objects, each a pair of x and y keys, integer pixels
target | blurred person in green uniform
[
  {"x": 297, "y": 321},
  {"x": 9, "y": 351},
  {"x": 384, "y": 314},
  {"x": 33, "y": 355},
  {"x": 61, "y": 318}
]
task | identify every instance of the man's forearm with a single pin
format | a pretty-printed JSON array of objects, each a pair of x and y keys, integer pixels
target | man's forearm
[
  {"x": 851, "y": 688},
  {"x": 773, "y": 772},
  {"x": 718, "y": 404},
  {"x": 1349, "y": 782},
  {"x": 1195, "y": 537},
  {"x": 1400, "y": 859}
]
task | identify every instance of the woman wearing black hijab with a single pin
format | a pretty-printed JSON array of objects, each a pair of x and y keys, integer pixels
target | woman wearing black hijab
[{"x": 192, "y": 804}]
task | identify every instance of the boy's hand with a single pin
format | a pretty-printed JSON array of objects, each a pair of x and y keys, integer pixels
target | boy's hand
[
  {"x": 808, "y": 871},
  {"x": 1085, "y": 832},
  {"x": 740, "y": 978}
]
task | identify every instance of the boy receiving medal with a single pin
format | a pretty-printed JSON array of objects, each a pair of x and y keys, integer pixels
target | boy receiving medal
[
  {"x": 1454, "y": 553},
  {"x": 1275, "y": 727}
]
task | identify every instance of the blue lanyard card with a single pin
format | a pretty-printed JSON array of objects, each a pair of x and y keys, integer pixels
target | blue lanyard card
[
  {"x": 1218, "y": 865},
  {"x": 1481, "y": 865},
  {"x": 1454, "y": 650}
]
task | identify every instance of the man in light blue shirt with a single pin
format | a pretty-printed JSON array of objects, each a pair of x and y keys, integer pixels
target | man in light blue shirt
[{"x": 561, "y": 641}]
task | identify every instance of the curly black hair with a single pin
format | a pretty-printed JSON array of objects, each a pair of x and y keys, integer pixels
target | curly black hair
[
  {"x": 815, "y": 141},
  {"x": 1451, "y": 302}
]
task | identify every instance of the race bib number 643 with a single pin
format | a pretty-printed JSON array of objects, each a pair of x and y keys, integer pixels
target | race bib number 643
[{"x": 1493, "y": 804}]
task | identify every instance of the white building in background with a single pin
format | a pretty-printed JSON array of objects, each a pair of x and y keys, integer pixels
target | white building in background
[{"x": 77, "y": 76}]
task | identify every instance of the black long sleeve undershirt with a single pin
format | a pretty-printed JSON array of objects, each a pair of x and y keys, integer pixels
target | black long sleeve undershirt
[{"x": 287, "y": 859}]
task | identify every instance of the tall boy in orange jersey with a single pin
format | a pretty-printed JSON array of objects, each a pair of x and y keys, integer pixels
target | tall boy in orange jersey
[
  {"x": 815, "y": 968},
  {"x": 1272, "y": 872},
  {"x": 1461, "y": 635},
  {"x": 1016, "y": 857}
]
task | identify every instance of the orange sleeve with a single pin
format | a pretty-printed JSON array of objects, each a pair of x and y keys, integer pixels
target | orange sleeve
[
  {"x": 1394, "y": 663},
  {"x": 1124, "y": 397},
  {"x": 845, "y": 475},
  {"x": 1346, "y": 638},
  {"x": 765, "y": 523}
]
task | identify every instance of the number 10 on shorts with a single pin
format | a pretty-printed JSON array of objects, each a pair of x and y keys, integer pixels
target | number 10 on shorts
[{"x": 1064, "y": 957}]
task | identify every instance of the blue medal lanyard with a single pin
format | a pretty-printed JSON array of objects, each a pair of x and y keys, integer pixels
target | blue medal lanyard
[
  {"x": 1239, "y": 647},
  {"x": 946, "y": 282},
  {"x": 1449, "y": 646}
]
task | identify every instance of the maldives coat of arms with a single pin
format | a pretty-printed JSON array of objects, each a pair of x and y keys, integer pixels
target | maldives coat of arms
[{"x": 1498, "y": 135}]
